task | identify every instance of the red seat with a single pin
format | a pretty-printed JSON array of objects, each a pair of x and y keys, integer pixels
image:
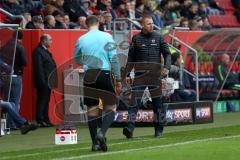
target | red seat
[
  {"x": 226, "y": 5},
  {"x": 224, "y": 21},
  {"x": 209, "y": 68},
  {"x": 191, "y": 67}
]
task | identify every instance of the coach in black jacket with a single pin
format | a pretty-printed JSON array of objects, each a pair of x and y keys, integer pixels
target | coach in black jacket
[
  {"x": 145, "y": 52},
  {"x": 43, "y": 66}
]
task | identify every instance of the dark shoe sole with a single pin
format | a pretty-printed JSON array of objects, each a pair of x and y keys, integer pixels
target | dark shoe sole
[
  {"x": 96, "y": 148},
  {"x": 158, "y": 135},
  {"x": 102, "y": 141},
  {"x": 127, "y": 133}
]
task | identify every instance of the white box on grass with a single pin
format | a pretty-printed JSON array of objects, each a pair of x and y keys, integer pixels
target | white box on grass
[{"x": 68, "y": 136}]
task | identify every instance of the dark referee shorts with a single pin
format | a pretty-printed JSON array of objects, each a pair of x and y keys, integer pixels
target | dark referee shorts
[{"x": 98, "y": 84}]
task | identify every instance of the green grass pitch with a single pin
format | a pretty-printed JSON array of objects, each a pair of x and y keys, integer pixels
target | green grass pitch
[{"x": 215, "y": 141}]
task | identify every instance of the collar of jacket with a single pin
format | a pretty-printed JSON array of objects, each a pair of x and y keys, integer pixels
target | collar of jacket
[{"x": 146, "y": 34}]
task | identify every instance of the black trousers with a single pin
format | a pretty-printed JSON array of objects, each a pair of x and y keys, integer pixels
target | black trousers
[{"x": 43, "y": 98}]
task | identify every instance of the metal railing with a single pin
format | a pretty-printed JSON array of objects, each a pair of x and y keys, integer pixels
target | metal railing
[{"x": 11, "y": 15}]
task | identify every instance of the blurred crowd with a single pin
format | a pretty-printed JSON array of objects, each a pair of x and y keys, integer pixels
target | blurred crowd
[{"x": 71, "y": 14}]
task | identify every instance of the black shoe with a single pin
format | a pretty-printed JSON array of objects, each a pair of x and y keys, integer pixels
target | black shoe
[
  {"x": 127, "y": 132},
  {"x": 158, "y": 133},
  {"x": 25, "y": 128},
  {"x": 102, "y": 141},
  {"x": 96, "y": 147}
]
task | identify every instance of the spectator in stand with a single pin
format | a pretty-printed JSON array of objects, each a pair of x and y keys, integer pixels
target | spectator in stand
[
  {"x": 107, "y": 21},
  {"x": 36, "y": 23},
  {"x": 199, "y": 21},
  {"x": 59, "y": 20},
  {"x": 185, "y": 5},
  {"x": 59, "y": 5},
  {"x": 48, "y": 9},
  {"x": 193, "y": 11},
  {"x": 86, "y": 6},
  {"x": 49, "y": 22},
  {"x": 184, "y": 93},
  {"x": 66, "y": 20},
  {"x": 171, "y": 13},
  {"x": 193, "y": 25},
  {"x": 120, "y": 10},
  {"x": 184, "y": 23},
  {"x": 130, "y": 9},
  {"x": 13, "y": 7},
  {"x": 139, "y": 8},
  {"x": 74, "y": 9},
  {"x": 82, "y": 22},
  {"x": 221, "y": 71},
  {"x": 93, "y": 5},
  {"x": 26, "y": 19},
  {"x": 104, "y": 5},
  {"x": 29, "y": 6},
  {"x": 205, "y": 9},
  {"x": 206, "y": 25},
  {"x": 101, "y": 20}
]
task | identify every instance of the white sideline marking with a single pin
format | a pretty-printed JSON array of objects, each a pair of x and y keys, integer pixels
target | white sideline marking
[
  {"x": 145, "y": 148},
  {"x": 73, "y": 149}
]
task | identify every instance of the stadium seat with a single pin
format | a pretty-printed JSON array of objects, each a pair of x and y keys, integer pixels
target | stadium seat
[
  {"x": 224, "y": 21},
  {"x": 226, "y": 5},
  {"x": 209, "y": 68}
]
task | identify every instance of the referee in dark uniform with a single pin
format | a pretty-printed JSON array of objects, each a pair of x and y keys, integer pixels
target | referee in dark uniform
[
  {"x": 146, "y": 50},
  {"x": 102, "y": 76}
]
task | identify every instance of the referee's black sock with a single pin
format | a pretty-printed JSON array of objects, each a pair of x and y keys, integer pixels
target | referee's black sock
[
  {"x": 92, "y": 125},
  {"x": 108, "y": 118}
]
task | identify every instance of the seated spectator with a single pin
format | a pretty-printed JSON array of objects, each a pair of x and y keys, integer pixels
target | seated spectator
[
  {"x": 184, "y": 93},
  {"x": 171, "y": 13},
  {"x": 86, "y": 6},
  {"x": 19, "y": 121},
  {"x": 107, "y": 21},
  {"x": 93, "y": 5},
  {"x": 199, "y": 21},
  {"x": 74, "y": 9},
  {"x": 48, "y": 9},
  {"x": 104, "y": 5},
  {"x": 119, "y": 11},
  {"x": 59, "y": 20},
  {"x": 13, "y": 7},
  {"x": 184, "y": 23},
  {"x": 130, "y": 7},
  {"x": 26, "y": 19},
  {"x": 30, "y": 7},
  {"x": 205, "y": 10},
  {"x": 192, "y": 12},
  {"x": 59, "y": 5},
  {"x": 206, "y": 24},
  {"x": 194, "y": 26},
  {"x": 81, "y": 23},
  {"x": 223, "y": 74},
  {"x": 49, "y": 22},
  {"x": 36, "y": 23}
]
